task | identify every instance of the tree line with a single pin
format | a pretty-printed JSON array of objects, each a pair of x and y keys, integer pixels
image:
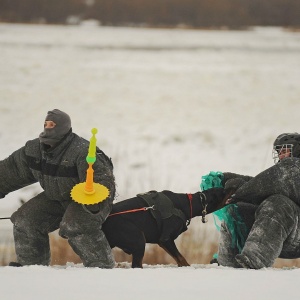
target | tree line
[{"x": 158, "y": 13}]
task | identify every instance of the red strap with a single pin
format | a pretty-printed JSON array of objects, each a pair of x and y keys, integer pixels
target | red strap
[
  {"x": 129, "y": 211},
  {"x": 190, "y": 197}
]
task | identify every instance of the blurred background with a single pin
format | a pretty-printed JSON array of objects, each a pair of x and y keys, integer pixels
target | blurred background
[
  {"x": 167, "y": 13},
  {"x": 176, "y": 89}
]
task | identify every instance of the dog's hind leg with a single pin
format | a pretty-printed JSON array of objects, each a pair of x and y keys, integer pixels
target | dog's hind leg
[
  {"x": 138, "y": 249},
  {"x": 131, "y": 240},
  {"x": 170, "y": 247},
  {"x": 137, "y": 261},
  {"x": 126, "y": 235}
]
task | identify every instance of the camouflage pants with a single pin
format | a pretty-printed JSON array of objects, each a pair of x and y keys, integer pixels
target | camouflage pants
[
  {"x": 275, "y": 233},
  {"x": 34, "y": 220}
]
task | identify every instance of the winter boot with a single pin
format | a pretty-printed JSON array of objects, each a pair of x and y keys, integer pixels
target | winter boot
[{"x": 243, "y": 261}]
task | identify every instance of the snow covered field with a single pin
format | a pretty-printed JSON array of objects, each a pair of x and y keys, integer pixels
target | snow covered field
[
  {"x": 170, "y": 106},
  {"x": 152, "y": 282}
]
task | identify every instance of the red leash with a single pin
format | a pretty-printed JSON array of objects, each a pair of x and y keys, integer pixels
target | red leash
[
  {"x": 190, "y": 197},
  {"x": 131, "y": 211}
]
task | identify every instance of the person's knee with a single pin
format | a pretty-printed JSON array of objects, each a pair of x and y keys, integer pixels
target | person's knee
[
  {"x": 278, "y": 204},
  {"x": 23, "y": 222},
  {"x": 70, "y": 229},
  {"x": 77, "y": 220}
]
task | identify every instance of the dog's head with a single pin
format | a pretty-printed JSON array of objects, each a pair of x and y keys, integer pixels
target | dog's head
[{"x": 215, "y": 199}]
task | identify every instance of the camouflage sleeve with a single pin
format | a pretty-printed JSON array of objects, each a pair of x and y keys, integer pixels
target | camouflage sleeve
[
  {"x": 233, "y": 182},
  {"x": 14, "y": 172},
  {"x": 229, "y": 176},
  {"x": 282, "y": 178}
]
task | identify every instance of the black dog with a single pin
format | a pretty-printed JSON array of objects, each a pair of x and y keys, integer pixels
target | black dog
[{"x": 157, "y": 218}]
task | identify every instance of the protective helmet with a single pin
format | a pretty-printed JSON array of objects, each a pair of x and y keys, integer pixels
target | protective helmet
[{"x": 288, "y": 142}]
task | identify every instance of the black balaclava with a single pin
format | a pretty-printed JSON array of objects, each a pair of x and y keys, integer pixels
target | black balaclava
[{"x": 51, "y": 136}]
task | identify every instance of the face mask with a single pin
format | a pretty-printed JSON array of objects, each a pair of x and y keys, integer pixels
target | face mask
[{"x": 51, "y": 136}]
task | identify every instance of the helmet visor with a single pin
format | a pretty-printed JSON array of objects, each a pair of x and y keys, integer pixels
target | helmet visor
[{"x": 282, "y": 151}]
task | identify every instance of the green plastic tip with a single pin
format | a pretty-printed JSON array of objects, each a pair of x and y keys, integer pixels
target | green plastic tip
[
  {"x": 90, "y": 160},
  {"x": 94, "y": 130}
]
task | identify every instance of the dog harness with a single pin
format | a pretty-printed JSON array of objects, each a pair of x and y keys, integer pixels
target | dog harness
[{"x": 163, "y": 207}]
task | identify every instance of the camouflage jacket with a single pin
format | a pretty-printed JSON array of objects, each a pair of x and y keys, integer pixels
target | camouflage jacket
[{"x": 57, "y": 169}]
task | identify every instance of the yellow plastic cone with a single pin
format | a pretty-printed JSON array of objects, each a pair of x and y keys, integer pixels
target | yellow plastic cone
[{"x": 89, "y": 192}]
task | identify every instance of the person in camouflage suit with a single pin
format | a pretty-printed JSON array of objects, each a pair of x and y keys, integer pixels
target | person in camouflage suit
[
  {"x": 57, "y": 160},
  {"x": 269, "y": 205}
]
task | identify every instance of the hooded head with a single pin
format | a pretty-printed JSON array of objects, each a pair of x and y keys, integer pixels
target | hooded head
[{"x": 62, "y": 125}]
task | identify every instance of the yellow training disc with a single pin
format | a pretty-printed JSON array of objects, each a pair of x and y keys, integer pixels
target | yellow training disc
[{"x": 79, "y": 194}]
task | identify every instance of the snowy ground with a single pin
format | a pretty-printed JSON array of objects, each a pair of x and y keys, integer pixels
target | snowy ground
[
  {"x": 170, "y": 106},
  {"x": 153, "y": 282}
]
